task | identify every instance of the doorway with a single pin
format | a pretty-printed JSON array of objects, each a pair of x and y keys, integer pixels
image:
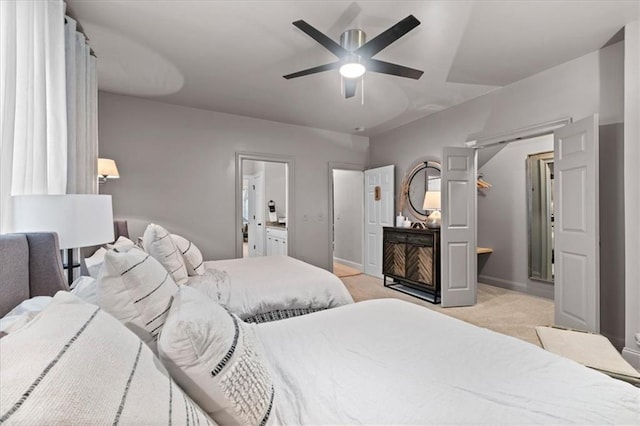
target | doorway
[
  {"x": 515, "y": 204},
  {"x": 347, "y": 227},
  {"x": 264, "y": 207}
]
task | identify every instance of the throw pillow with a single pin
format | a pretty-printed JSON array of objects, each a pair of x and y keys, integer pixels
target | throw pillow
[
  {"x": 214, "y": 357},
  {"x": 191, "y": 254},
  {"x": 158, "y": 243},
  {"x": 137, "y": 290},
  {"x": 75, "y": 364}
]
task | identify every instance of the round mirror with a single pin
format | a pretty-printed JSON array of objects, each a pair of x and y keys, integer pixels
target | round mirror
[{"x": 425, "y": 176}]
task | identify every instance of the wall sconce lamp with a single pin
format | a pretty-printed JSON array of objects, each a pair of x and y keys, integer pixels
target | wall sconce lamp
[
  {"x": 432, "y": 202},
  {"x": 107, "y": 169}
]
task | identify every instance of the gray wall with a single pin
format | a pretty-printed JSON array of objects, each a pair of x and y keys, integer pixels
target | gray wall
[
  {"x": 177, "y": 168},
  {"x": 275, "y": 188},
  {"x": 612, "y": 306},
  {"x": 502, "y": 218},
  {"x": 576, "y": 89},
  {"x": 348, "y": 203}
]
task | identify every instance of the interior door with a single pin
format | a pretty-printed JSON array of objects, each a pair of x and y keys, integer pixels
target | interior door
[
  {"x": 255, "y": 228},
  {"x": 251, "y": 226},
  {"x": 459, "y": 261},
  {"x": 259, "y": 215},
  {"x": 577, "y": 253},
  {"x": 379, "y": 188}
]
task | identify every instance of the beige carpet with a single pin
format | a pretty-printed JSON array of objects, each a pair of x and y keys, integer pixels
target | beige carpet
[
  {"x": 344, "y": 271},
  {"x": 505, "y": 311}
]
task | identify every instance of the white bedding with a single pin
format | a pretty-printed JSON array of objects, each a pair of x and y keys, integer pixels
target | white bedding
[
  {"x": 271, "y": 283},
  {"x": 404, "y": 364}
]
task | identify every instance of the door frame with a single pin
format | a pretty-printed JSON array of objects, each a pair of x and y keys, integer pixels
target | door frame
[
  {"x": 273, "y": 158},
  {"x": 342, "y": 166},
  {"x": 478, "y": 140}
]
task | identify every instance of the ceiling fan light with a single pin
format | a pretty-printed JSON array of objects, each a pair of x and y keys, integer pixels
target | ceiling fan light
[{"x": 352, "y": 70}]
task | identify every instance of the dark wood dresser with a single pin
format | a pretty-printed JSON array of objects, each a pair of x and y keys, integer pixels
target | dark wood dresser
[{"x": 411, "y": 258}]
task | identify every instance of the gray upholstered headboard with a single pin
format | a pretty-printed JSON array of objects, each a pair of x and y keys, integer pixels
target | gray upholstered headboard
[{"x": 30, "y": 265}]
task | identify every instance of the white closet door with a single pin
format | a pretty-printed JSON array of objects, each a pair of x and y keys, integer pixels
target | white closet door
[
  {"x": 458, "y": 229},
  {"x": 577, "y": 235}
]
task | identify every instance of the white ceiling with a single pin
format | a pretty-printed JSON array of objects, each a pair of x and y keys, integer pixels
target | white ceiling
[{"x": 230, "y": 56}]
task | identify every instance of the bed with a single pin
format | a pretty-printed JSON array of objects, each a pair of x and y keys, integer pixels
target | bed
[
  {"x": 375, "y": 362},
  {"x": 269, "y": 288},
  {"x": 261, "y": 289}
]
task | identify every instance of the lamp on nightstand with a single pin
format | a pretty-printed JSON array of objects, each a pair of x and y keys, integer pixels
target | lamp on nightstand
[
  {"x": 432, "y": 202},
  {"x": 80, "y": 220}
]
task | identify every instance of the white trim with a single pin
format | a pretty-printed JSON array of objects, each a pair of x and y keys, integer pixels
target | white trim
[
  {"x": 632, "y": 356},
  {"x": 532, "y": 289},
  {"x": 255, "y": 156},
  {"x": 478, "y": 141},
  {"x": 349, "y": 263}
]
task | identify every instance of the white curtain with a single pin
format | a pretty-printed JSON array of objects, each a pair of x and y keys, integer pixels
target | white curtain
[
  {"x": 33, "y": 114},
  {"x": 82, "y": 113}
]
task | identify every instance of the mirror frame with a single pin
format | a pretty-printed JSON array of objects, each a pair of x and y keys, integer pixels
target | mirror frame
[
  {"x": 542, "y": 221},
  {"x": 406, "y": 186}
]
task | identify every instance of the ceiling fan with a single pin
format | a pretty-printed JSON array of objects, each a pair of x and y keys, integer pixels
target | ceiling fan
[{"x": 355, "y": 54}]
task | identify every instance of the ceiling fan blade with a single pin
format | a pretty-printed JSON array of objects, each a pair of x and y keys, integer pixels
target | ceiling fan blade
[
  {"x": 384, "y": 39},
  {"x": 325, "y": 41},
  {"x": 383, "y": 67},
  {"x": 313, "y": 70},
  {"x": 350, "y": 85}
]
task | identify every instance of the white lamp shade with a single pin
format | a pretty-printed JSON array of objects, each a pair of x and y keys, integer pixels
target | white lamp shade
[
  {"x": 431, "y": 200},
  {"x": 80, "y": 220},
  {"x": 107, "y": 168}
]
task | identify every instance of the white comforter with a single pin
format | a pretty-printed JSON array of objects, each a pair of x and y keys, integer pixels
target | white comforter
[
  {"x": 265, "y": 284},
  {"x": 392, "y": 362}
]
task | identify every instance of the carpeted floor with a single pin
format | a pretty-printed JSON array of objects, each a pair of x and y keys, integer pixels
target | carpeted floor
[
  {"x": 342, "y": 271},
  {"x": 505, "y": 311}
]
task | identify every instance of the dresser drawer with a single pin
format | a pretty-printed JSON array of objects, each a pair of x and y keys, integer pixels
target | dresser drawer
[
  {"x": 394, "y": 237},
  {"x": 420, "y": 239}
]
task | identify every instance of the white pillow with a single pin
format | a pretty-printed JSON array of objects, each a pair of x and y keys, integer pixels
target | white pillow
[
  {"x": 85, "y": 288},
  {"x": 75, "y": 364},
  {"x": 95, "y": 261},
  {"x": 214, "y": 357},
  {"x": 121, "y": 242},
  {"x": 158, "y": 243},
  {"x": 23, "y": 313},
  {"x": 137, "y": 290},
  {"x": 214, "y": 283},
  {"x": 191, "y": 254}
]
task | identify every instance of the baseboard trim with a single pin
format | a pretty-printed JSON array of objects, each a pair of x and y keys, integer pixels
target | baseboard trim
[
  {"x": 539, "y": 291},
  {"x": 349, "y": 263},
  {"x": 632, "y": 356}
]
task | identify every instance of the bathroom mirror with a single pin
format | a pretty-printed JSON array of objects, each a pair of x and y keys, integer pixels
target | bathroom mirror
[
  {"x": 423, "y": 177},
  {"x": 540, "y": 215}
]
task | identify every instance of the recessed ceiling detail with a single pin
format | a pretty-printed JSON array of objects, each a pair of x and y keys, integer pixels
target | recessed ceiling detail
[
  {"x": 230, "y": 56},
  {"x": 130, "y": 68}
]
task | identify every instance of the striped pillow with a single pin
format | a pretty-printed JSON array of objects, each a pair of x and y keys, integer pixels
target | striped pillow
[
  {"x": 214, "y": 357},
  {"x": 158, "y": 243},
  {"x": 75, "y": 364},
  {"x": 137, "y": 290},
  {"x": 191, "y": 254}
]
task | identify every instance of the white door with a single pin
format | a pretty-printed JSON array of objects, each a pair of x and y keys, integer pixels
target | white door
[
  {"x": 577, "y": 254},
  {"x": 255, "y": 228},
  {"x": 259, "y": 215},
  {"x": 458, "y": 231},
  {"x": 379, "y": 203}
]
